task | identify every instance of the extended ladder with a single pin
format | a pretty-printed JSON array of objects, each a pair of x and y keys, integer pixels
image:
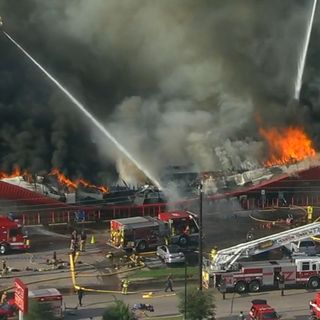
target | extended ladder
[{"x": 225, "y": 258}]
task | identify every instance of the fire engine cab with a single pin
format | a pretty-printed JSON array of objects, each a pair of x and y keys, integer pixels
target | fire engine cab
[
  {"x": 260, "y": 310},
  {"x": 12, "y": 236},
  {"x": 142, "y": 233}
]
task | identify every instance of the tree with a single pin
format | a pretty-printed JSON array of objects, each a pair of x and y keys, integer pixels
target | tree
[
  {"x": 39, "y": 311},
  {"x": 118, "y": 311},
  {"x": 199, "y": 304}
]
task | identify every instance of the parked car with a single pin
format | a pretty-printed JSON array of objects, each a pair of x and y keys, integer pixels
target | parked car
[
  {"x": 9, "y": 308},
  {"x": 171, "y": 254},
  {"x": 307, "y": 247}
]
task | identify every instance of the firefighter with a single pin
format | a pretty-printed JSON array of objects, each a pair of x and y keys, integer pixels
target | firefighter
[
  {"x": 124, "y": 286},
  {"x": 83, "y": 239},
  {"x": 242, "y": 316},
  {"x": 281, "y": 282},
  {"x": 169, "y": 283},
  {"x": 117, "y": 238},
  {"x": 80, "y": 296},
  {"x": 113, "y": 236},
  {"x": 4, "y": 268},
  {"x": 4, "y": 298},
  {"x": 223, "y": 288},
  {"x": 121, "y": 238},
  {"x": 213, "y": 253}
]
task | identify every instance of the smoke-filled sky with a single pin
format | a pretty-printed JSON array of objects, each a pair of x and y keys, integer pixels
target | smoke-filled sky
[{"x": 175, "y": 81}]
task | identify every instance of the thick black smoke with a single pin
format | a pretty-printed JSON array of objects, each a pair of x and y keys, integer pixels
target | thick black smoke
[{"x": 176, "y": 81}]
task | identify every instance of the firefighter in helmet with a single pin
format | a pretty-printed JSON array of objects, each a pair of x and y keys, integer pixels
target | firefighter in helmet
[
  {"x": 117, "y": 238},
  {"x": 121, "y": 237},
  {"x": 213, "y": 253},
  {"x": 124, "y": 286}
]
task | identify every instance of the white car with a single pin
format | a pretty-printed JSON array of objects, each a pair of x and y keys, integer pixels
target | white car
[{"x": 171, "y": 254}]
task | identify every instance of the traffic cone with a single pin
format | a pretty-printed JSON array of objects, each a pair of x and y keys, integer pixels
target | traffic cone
[{"x": 93, "y": 239}]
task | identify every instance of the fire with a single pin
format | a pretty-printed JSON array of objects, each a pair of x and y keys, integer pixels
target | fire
[
  {"x": 76, "y": 183},
  {"x": 287, "y": 145},
  {"x": 15, "y": 173}
]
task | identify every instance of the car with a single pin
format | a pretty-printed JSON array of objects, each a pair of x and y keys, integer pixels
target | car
[
  {"x": 171, "y": 254},
  {"x": 260, "y": 310},
  {"x": 8, "y": 309}
]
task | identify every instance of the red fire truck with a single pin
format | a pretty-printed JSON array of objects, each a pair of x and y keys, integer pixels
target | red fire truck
[
  {"x": 142, "y": 233},
  {"x": 242, "y": 276},
  {"x": 12, "y": 236},
  {"x": 260, "y": 310},
  {"x": 51, "y": 296},
  {"x": 315, "y": 307},
  {"x": 253, "y": 276}
]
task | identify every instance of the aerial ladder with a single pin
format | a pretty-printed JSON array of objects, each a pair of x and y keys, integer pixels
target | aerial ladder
[{"x": 225, "y": 259}]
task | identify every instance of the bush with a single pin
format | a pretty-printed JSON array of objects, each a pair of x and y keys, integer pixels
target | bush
[
  {"x": 199, "y": 305},
  {"x": 39, "y": 311},
  {"x": 118, "y": 311}
]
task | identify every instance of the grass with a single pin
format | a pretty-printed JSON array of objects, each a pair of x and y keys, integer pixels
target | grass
[{"x": 162, "y": 273}]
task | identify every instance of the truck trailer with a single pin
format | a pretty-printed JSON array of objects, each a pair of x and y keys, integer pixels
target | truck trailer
[{"x": 143, "y": 233}]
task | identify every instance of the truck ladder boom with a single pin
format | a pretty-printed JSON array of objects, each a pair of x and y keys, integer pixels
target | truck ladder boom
[{"x": 226, "y": 257}]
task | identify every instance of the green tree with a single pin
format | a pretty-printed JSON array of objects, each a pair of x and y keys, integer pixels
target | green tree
[
  {"x": 199, "y": 305},
  {"x": 39, "y": 311},
  {"x": 118, "y": 311}
]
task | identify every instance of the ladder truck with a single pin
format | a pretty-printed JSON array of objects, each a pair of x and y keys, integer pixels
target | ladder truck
[{"x": 252, "y": 276}]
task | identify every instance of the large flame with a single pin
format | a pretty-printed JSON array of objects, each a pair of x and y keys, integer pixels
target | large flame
[
  {"x": 76, "y": 183},
  {"x": 55, "y": 172},
  {"x": 15, "y": 173},
  {"x": 287, "y": 145}
]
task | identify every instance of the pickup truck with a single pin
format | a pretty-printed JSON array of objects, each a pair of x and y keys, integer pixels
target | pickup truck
[
  {"x": 260, "y": 310},
  {"x": 306, "y": 246}
]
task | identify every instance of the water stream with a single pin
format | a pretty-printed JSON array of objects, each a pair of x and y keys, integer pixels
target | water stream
[
  {"x": 96, "y": 123},
  {"x": 302, "y": 60}
]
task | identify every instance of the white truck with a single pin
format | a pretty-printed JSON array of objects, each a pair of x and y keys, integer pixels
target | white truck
[{"x": 307, "y": 246}]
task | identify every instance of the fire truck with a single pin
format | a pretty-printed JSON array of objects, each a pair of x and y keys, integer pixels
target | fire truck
[
  {"x": 50, "y": 296},
  {"x": 254, "y": 275},
  {"x": 12, "y": 236},
  {"x": 314, "y": 306},
  {"x": 143, "y": 233}
]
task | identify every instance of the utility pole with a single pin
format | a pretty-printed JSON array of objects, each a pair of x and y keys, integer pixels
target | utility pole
[
  {"x": 185, "y": 289},
  {"x": 200, "y": 237}
]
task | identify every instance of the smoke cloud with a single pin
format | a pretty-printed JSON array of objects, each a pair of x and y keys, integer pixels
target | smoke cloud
[{"x": 175, "y": 81}]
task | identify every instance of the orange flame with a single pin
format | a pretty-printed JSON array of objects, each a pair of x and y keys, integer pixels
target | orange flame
[
  {"x": 287, "y": 145},
  {"x": 75, "y": 184},
  {"x": 15, "y": 173}
]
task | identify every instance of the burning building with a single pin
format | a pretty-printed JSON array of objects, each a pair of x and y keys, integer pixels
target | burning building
[{"x": 196, "y": 102}]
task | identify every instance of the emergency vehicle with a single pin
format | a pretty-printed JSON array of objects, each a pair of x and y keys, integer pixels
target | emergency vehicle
[
  {"x": 142, "y": 233},
  {"x": 12, "y": 236},
  {"x": 260, "y": 310},
  {"x": 252, "y": 276},
  {"x": 315, "y": 307},
  {"x": 51, "y": 296}
]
